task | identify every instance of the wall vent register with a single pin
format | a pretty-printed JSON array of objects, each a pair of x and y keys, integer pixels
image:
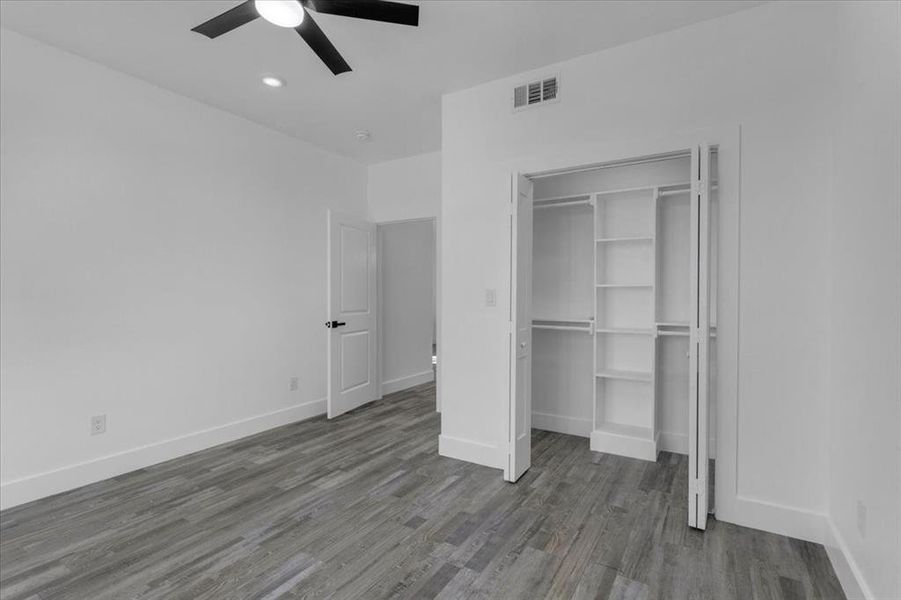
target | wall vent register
[{"x": 534, "y": 93}]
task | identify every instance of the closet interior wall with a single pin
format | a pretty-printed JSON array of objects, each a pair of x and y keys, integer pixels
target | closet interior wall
[{"x": 611, "y": 301}]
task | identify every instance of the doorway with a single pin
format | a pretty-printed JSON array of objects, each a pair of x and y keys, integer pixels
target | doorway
[
  {"x": 407, "y": 304},
  {"x": 613, "y": 318}
]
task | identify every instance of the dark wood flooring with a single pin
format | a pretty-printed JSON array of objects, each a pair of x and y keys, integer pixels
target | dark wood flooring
[{"x": 363, "y": 507}]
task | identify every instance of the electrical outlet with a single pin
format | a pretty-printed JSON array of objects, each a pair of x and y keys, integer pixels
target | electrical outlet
[
  {"x": 862, "y": 519},
  {"x": 293, "y": 384},
  {"x": 490, "y": 297},
  {"x": 98, "y": 424}
]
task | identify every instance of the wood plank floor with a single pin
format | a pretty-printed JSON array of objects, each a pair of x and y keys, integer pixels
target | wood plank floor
[{"x": 363, "y": 507}]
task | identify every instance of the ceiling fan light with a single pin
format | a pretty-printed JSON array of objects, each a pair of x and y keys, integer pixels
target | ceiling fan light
[{"x": 284, "y": 13}]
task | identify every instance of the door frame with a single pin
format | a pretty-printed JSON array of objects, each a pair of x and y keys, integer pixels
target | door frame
[
  {"x": 379, "y": 293},
  {"x": 730, "y": 505}
]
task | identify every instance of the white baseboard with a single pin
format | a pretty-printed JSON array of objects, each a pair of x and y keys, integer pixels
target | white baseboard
[
  {"x": 40, "y": 485},
  {"x": 791, "y": 521},
  {"x": 623, "y": 445},
  {"x": 846, "y": 568},
  {"x": 403, "y": 383},
  {"x": 472, "y": 451},
  {"x": 561, "y": 424},
  {"x": 672, "y": 442},
  {"x": 677, "y": 443}
]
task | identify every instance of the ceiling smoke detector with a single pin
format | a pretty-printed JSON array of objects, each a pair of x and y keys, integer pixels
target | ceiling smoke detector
[{"x": 363, "y": 135}]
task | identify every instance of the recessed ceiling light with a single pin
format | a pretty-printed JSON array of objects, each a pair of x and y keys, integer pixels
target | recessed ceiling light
[
  {"x": 273, "y": 81},
  {"x": 362, "y": 135},
  {"x": 284, "y": 13}
]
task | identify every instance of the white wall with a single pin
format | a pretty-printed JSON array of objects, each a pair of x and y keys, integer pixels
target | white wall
[
  {"x": 750, "y": 69},
  {"x": 407, "y": 295},
  {"x": 865, "y": 382},
  {"x": 406, "y": 188},
  {"x": 163, "y": 263}
]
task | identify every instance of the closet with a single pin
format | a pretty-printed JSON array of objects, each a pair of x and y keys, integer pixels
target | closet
[{"x": 623, "y": 308}]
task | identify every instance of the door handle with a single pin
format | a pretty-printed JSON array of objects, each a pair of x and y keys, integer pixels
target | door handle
[{"x": 334, "y": 324}]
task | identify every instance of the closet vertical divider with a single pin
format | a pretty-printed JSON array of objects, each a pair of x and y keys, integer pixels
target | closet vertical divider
[{"x": 625, "y": 415}]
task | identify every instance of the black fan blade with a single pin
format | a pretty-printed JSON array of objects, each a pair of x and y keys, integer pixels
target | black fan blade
[
  {"x": 374, "y": 10},
  {"x": 230, "y": 19},
  {"x": 321, "y": 45}
]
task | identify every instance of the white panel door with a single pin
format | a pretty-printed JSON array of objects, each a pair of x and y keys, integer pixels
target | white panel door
[
  {"x": 352, "y": 313},
  {"x": 699, "y": 338},
  {"x": 520, "y": 413}
]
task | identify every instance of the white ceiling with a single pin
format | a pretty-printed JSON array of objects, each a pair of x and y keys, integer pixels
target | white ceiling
[{"x": 399, "y": 72}]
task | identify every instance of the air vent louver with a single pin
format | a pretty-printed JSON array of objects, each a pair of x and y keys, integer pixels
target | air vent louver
[
  {"x": 534, "y": 93},
  {"x": 549, "y": 89}
]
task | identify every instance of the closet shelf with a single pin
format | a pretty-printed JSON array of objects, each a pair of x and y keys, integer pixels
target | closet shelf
[
  {"x": 625, "y": 285},
  {"x": 643, "y": 188},
  {"x": 582, "y": 325},
  {"x": 547, "y": 321},
  {"x": 631, "y": 431},
  {"x": 579, "y": 200},
  {"x": 627, "y": 375},
  {"x": 626, "y": 330},
  {"x": 613, "y": 240},
  {"x": 673, "y": 324}
]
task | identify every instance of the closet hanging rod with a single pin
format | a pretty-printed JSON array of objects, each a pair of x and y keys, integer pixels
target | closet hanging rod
[
  {"x": 683, "y": 333},
  {"x": 677, "y": 189},
  {"x": 563, "y": 328},
  {"x": 556, "y": 203},
  {"x": 643, "y": 188}
]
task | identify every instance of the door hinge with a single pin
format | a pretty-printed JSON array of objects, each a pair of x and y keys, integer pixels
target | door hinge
[
  {"x": 696, "y": 486},
  {"x": 698, "y": 186}
]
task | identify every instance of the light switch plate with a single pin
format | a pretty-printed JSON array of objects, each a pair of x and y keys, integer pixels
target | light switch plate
[
  {"x": 98, "y": 424},
  {"x": 490, "y": 297}
]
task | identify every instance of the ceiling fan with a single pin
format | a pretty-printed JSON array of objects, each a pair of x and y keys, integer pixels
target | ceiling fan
[{"x": 295, "y": 14}]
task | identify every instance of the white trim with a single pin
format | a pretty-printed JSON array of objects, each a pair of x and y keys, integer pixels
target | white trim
[
  {"x": 479, "y": 453},
  {"x": 791, "y": 521},
  {"x": 40, "y": 485},
  {"x": 669, "y": 441},
  {"x": 846, "y": 568},
  {"x": 623, "y": 445},
  {"x": 403, "y": 383},
  {"x": 561, "y": 424}
]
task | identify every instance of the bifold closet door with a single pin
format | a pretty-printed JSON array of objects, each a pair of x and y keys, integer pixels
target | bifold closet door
[
  {"x": 699, "y": 338},
  {"x": 519, "y": 457}
]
